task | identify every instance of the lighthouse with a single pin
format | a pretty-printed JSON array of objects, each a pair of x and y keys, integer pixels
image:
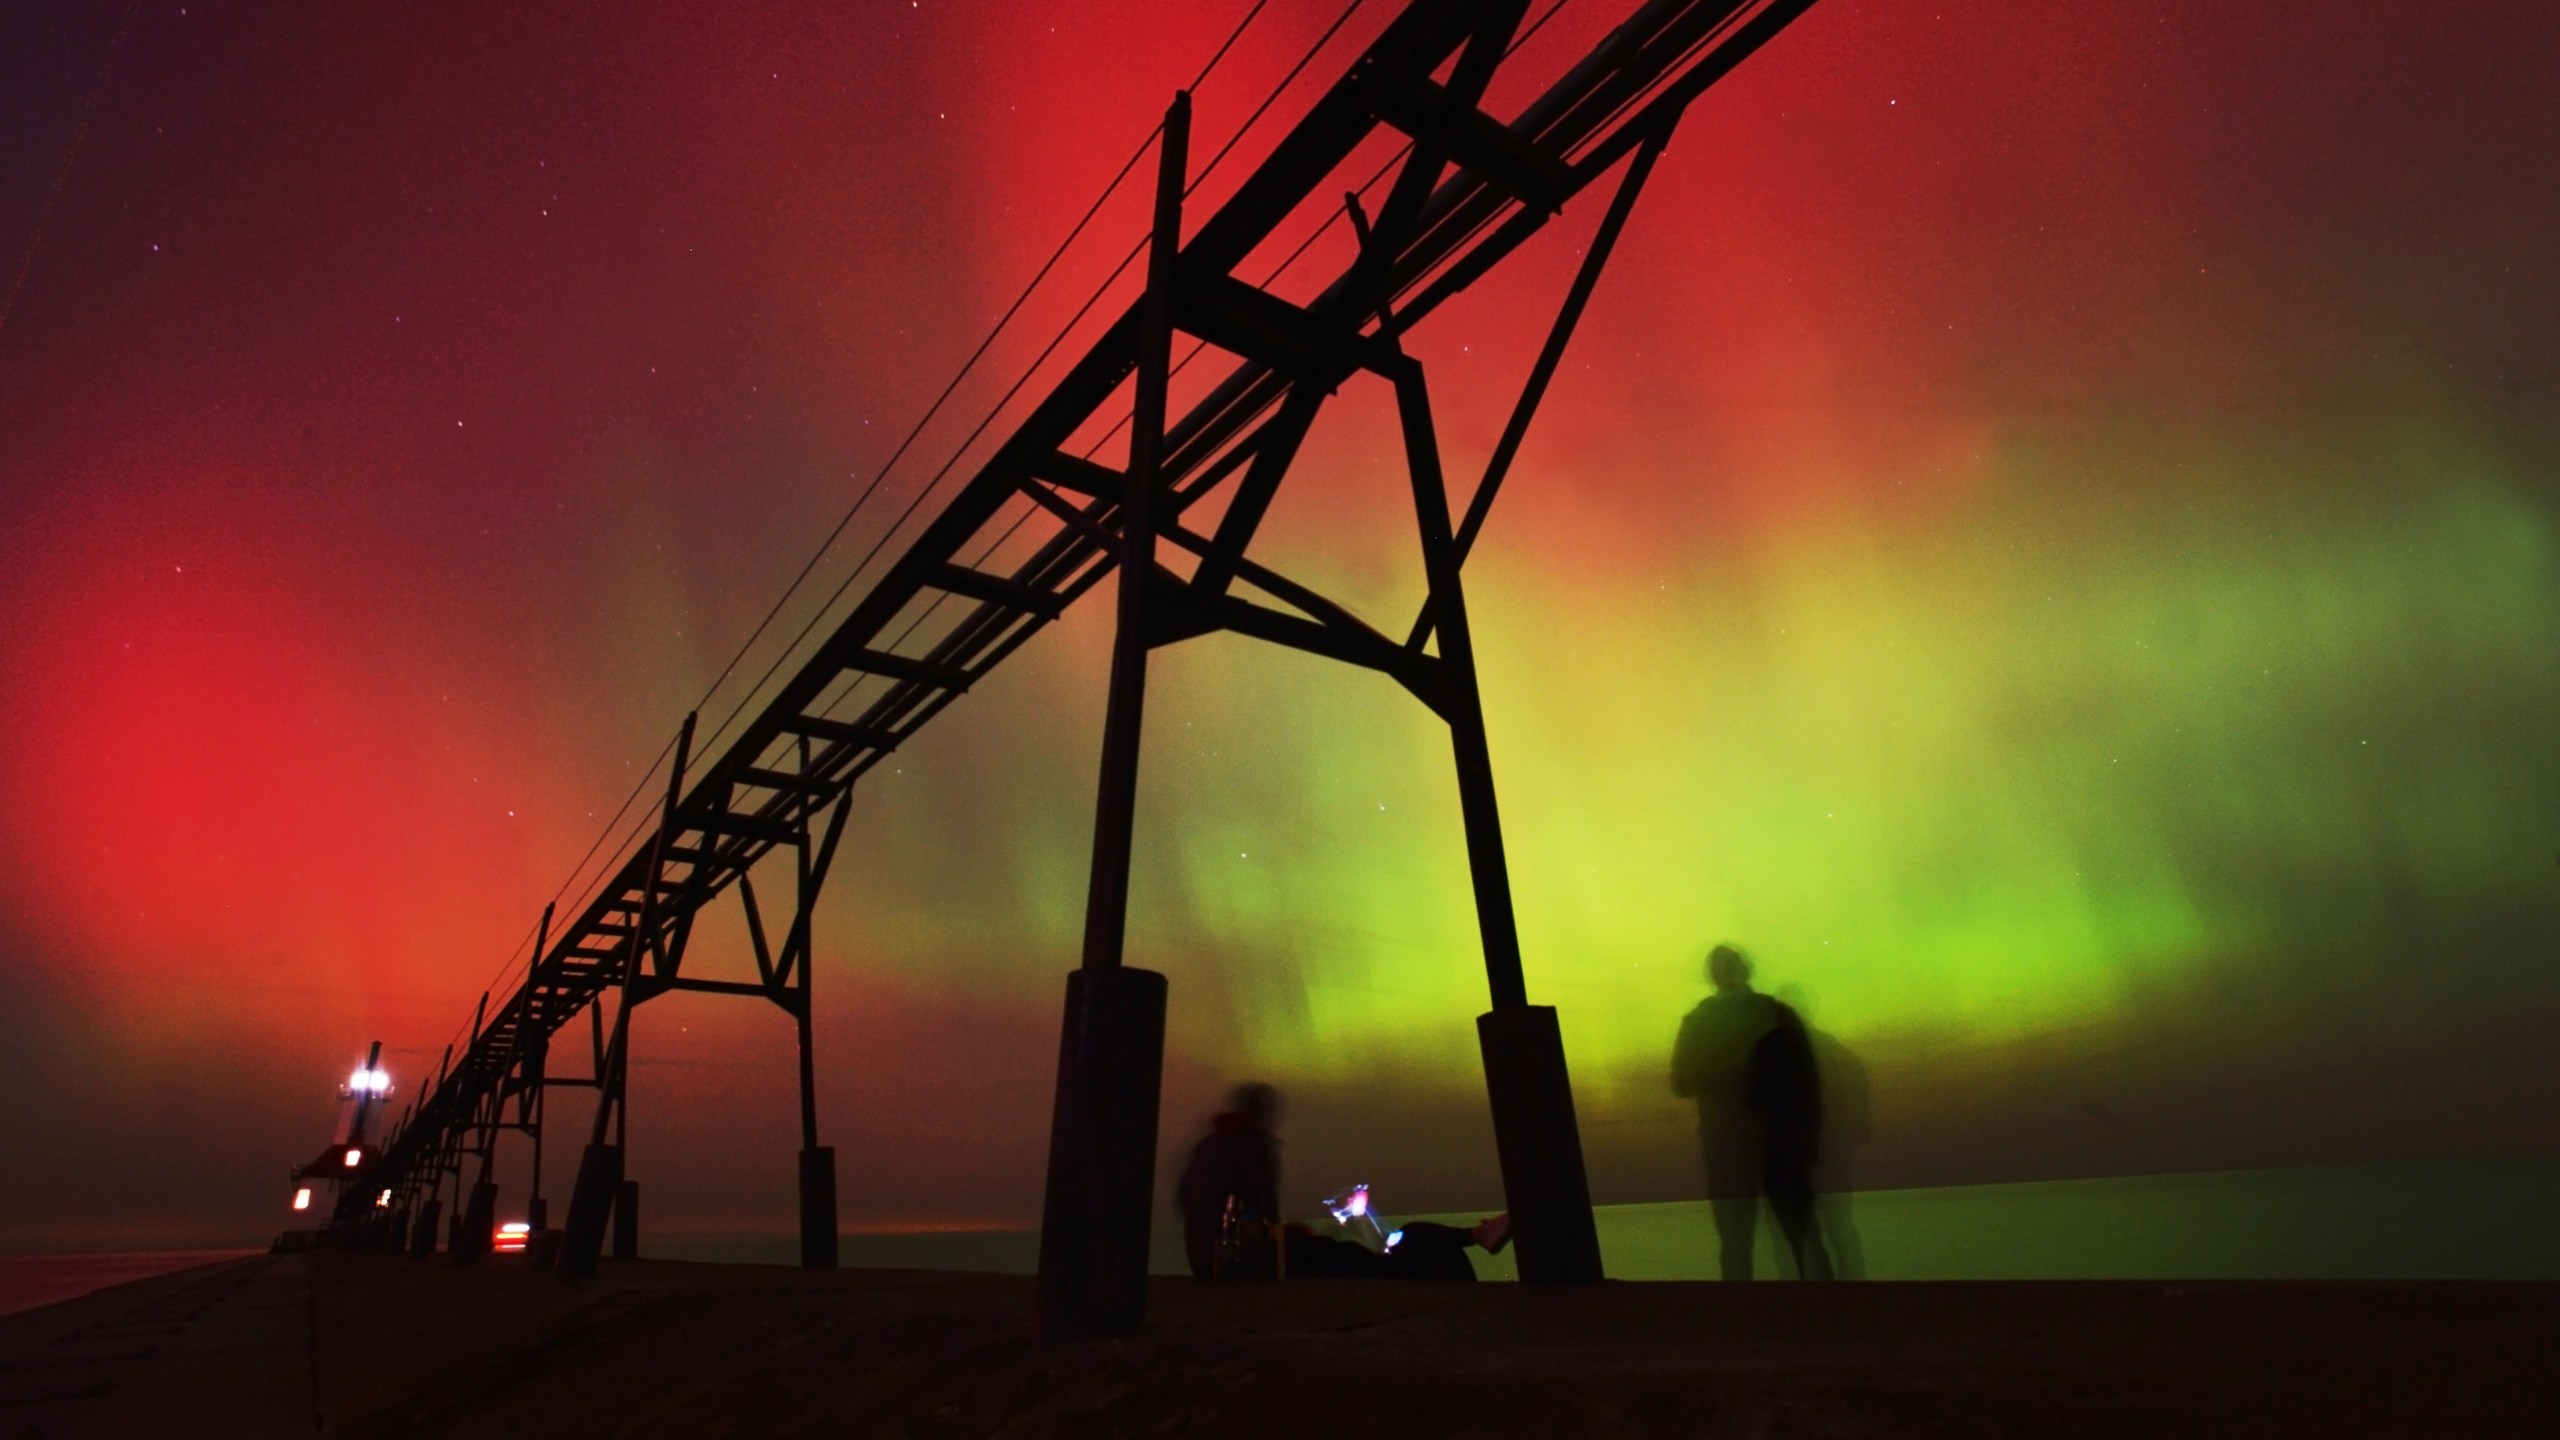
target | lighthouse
[{"x": 320, "y": 1186}]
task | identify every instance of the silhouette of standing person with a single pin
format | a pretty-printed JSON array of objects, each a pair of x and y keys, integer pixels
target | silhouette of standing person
[
  {"x": 1749, "y": 1064},
  {"x": 1847, "y": 1124},
  {"x": 1233, "y": 1180}
]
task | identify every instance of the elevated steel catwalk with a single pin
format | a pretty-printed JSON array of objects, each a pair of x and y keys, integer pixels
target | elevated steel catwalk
[{"x": 1477, "y": 187}]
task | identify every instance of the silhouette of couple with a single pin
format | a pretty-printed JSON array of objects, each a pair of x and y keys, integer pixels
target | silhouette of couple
[{"x": 1748, "y": 1060}]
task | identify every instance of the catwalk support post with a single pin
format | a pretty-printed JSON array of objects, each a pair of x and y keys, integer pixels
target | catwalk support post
[
  {"x": 1535, "y": 1134},
  {"x": 478, "y": 1210},
  {"x": 1095, "y": 1220},
  {"x": 422, "y": 1234},
  {"x": 626, "y": 1219},
  {"x": 600, "y": 1188},
  {"x": 818, "y": 1235},
  {"x": 533, "y": 1102}
]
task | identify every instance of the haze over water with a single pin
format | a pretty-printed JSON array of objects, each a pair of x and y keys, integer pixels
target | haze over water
[{"x": 2471, "y": 1219}]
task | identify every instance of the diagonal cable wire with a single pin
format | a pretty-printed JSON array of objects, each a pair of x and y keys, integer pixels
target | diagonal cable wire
[
  {"x": 641, "y": 786},
  {"x": 1031, "y": 370},
  {"x": 951, "y": 388}
]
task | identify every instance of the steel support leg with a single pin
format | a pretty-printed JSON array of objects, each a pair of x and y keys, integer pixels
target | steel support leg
[
  {"x": 1102, "y": 1127},
  {"x": 601, "y": 1190},
  {"x": 626, "y": 1220},
  {"x": 478, "y": 1218},
  {"x": 817, "y": 1162},
  {"x": 818, "y": 1207},
  {"x": 533, "y": 1103},
  {"x": 590, "y": 1202},
  {"x": 1094, "y": 1228},
  {"x": 1539, "y": 1145},
  {"x": 1534, "y": 1130},
  {"x": 818, "y": 1235}
]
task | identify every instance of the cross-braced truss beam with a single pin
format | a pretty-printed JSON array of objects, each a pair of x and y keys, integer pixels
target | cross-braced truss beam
[{"x": 1471, "y": 188}]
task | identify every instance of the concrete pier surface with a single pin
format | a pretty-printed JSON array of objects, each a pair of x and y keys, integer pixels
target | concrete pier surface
[{"x": 360, "y": 1345}]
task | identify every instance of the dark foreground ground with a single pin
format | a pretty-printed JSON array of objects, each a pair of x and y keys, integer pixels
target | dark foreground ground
[{"x": 365, "y": 1346}]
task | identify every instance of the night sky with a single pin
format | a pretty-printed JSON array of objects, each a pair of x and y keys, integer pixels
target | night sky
[{"x": 2049, "y": 536}]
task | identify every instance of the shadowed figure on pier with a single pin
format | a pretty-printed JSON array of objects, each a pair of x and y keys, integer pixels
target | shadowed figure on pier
[
  {"x": 1748, "y": 1062},
  {"x": 1229, "y": 1194},
  {"x": 1847, "y": 1125},
  {"x": 1233, "y": 1181}
]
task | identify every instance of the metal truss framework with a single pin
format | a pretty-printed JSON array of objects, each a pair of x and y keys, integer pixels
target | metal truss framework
[{"x": 1468, "y": 190}]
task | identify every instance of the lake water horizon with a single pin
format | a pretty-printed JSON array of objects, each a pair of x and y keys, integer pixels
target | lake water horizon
[{"x": 2484, "y": 1218}]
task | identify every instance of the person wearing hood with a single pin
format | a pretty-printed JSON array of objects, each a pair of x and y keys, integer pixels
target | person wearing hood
[{"x": 1233, "y": 1180}]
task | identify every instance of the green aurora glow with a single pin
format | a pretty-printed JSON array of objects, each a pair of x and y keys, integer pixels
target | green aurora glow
[{"x": 2089, "y": 733}]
